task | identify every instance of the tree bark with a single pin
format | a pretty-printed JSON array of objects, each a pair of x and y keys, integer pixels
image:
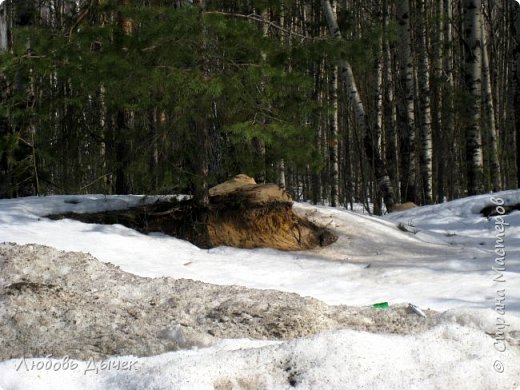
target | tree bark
[
  {"x": 123, "y": 122},
  {"x": 154, "y": 148},
  {"x": 389, "y": 112},
  {"x": 405, "y": 107},
  {"x": 4, "y": 23},
  {"x": 447, "y": 104},
  {"x": 121, "y": 146},
  {"x": 377, "y": 125},
  {"x": 281, "y": 174},
  {"x": 439, "y": 153},
  {"x": 202, "y": 126},
  {"x": 493, "y": 174},
  {"x": 473, "y": 80},
  {"x": 333, "y": 141},
  {"x": 424, "y": 102},
  {"x": 516, "y": 81}
]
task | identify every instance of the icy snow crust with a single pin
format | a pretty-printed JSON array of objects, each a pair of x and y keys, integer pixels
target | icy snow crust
[{"x": 443, "y": 262}]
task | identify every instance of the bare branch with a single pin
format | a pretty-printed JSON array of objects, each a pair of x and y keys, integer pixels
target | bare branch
[{"x": 258, "y": 18}]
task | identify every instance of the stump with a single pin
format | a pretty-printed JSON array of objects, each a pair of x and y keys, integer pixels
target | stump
[{"x": 240, "y": 214}]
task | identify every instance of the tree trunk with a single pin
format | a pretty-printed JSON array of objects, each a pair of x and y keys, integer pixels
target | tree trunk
[
  {"x": 389, "y": 112},
  {"x": 516, "y": 81},
  {"x": 377, "y": 125},
  {"x": 473, "y": 64},
  {"x": 106, "y": 176},
  {"x": 447, "y": 105},
  {"x": 405, "y": 107},
  {"x": 333, "y": 141},
  {"x": 4, "y": 23},
  {"x": 201, "y": 181},
  {"x": 281, "y": 174},
  {"x": 359, "y": 112},
  {"x": 424, "y": 102},
  {"x": 493, "y": 175},
  {"x": 154, "y": 155},
  {"x": 121, "y": 146},
  {"x": 439, "y": 154},
  {"x": 259, "y": 144},
  {"x": 200, "y": 125},
  {"x": 124, "y": 120}
]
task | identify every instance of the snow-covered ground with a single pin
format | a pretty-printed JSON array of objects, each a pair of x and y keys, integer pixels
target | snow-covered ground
[{"x": 444, "y": 261}]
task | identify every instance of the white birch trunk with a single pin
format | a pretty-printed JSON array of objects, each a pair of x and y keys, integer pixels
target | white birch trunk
[
  {"x": 439, "y": 153},
  {"x": 406, "y": 103},
  {"x": 333, "y": 141},
  {"x": 281, "y": 174},
  {"x": 516, "y": 81},
  {"x": 389, "y": 111},
  {"x": 473, "y": 77},
  {"x": 424, "y": 101},
  {"x": 448, "y": 162},
  {"x": 489, "y": 120},
  {"x": 4, "y": 14}
]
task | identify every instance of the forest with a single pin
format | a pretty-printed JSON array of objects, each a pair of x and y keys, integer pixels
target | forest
[{"x": 344, "y": 101}]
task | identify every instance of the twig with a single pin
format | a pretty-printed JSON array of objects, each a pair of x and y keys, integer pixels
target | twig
[
  {"x": 80, "y": 18},
  {"x": 257, "y": 18},
  {"x": 95, "y": 180},
  {"x": 171, "y": 211}
]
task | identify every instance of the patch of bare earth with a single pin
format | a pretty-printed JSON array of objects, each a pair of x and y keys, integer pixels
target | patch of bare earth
[{"x": 240, "y": 214}]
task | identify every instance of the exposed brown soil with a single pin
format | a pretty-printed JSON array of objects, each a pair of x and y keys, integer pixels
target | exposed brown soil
[
  {"x": 403, "y": 206},
  {"x": 491, "y": 210},
  {"x": 240, "y": 213}
]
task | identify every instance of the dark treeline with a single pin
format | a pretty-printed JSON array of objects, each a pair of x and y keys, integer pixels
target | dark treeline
[{"x": 337, "y": 101}]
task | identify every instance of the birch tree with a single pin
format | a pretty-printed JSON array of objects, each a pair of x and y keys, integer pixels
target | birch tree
[
  {"x": 424, "y": 101},
  {"x": 405, "y": 108},
  {"x": 516, "y": 83},
  {"x": 333, "y": 141},
  {"x": 437, "y": 85},
  {"x": 389, "y": 112},
  {"x": 493, "y": 174},
  {"x": 447, "y": 105},
  {"x": 473, "y": 81},
  {"x": 201, "y": 124}
]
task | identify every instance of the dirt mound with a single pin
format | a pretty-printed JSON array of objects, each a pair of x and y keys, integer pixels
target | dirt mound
[
  {"x": 403, "y": 206},
  {"x": 69, "y": 303},
  {"x": 249, "y": 215},
  {"x": 240, "y": 213}
]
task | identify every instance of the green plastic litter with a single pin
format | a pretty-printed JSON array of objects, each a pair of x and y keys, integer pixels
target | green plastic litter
[{"x": 381, "y": 305}]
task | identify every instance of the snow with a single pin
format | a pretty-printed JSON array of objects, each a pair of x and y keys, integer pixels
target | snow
[
  {"x": 443, "y": 261},
  {"x": 331, "y": 360},
  {"x": 432, "y": 268}
]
